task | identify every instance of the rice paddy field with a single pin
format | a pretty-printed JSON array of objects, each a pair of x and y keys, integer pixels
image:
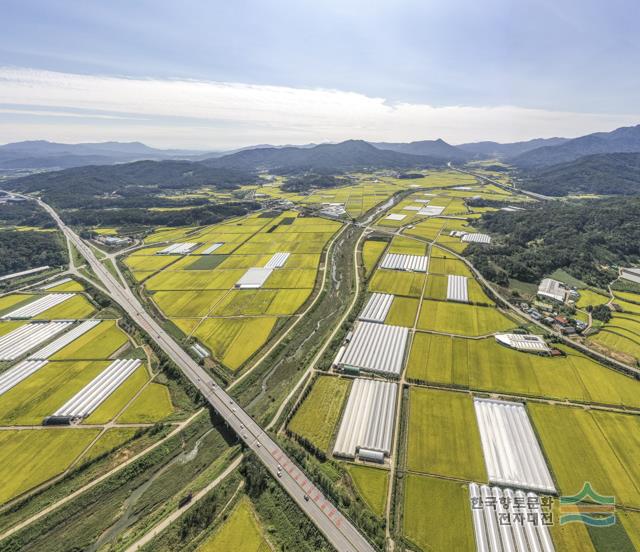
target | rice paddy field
[
  {"x": 197, "y": 291},
  {"x": 372, "y": 485},
  {"x": 622, "y": 333},
  {"x": 462, "y": 319},
  {"x": 317, "y": 418},
  {"x": 372, "y": 251}
]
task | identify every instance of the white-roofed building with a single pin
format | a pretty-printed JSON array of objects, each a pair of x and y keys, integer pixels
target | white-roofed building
[
  {"x": 278, "y": 260},
  {"x": 377, "y": 307},
  {"x": 524, "y": 342},
  {"x": 431, "y": 210},
  {"x": 366, "y": 429},
  {"x": 40, "y": 305},
  {"x": 376, "y": 348},
  {"x": 398, "y": 261},
  {"x": 476, "y": 238},
  {"x": 177, "y": 249},
  {"x": 395, "y": 216},
  {"x": 510, "y": 447},
  {"x": 209, "y": 250},
  {"x": 254, "y": 278},
  {"x": 552, "y": 289},
  {"x": 457, "y": 288},
  {"x": 412, "y": 208},
  {"x": 630, "y": 274}
]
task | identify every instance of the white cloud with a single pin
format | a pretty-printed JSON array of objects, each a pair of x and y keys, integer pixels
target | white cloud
[{"x": 186, "y": 113}]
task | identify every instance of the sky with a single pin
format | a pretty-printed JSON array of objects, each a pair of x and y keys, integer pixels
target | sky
[{"x": 217, "y": 75}]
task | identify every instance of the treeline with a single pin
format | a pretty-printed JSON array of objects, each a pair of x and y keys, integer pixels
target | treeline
[
  {"x": 24, "y": 213},
  {"x": 29, "y": 249},
  {"x": 584, "y": 238},
  {"x": 208, "y": 214},
  {"x": 305, "y": 182}
]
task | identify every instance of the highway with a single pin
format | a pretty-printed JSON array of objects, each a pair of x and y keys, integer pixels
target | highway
[{"x": 338, "y": 530}]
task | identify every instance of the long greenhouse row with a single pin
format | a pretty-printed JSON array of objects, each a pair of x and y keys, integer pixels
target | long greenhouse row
[
  {"x": 398, "y": 261},
  {"x": 64, "y": 340},
  {"x": 377, "y": 307},
  {"x": 83, "y": 403},
  {"x": 34, "y": 308},
  {"x": 366, "y": 429},
  {"x": 457, "y": 289},
  {"x": 18, "y": 373},
  {"x": 21, "y": 340},
  {"x": 510, "y": 447}
]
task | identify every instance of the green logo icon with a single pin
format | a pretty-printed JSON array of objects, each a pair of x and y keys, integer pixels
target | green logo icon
[{"x": 597, "y": 511}]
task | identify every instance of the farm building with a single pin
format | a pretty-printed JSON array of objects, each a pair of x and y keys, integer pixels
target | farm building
[
  {"x": 277, "y": 261},
  {"x": 631, "y": 274},
  {"x": 377, "y": 307},
  {"x": 510, "y": 447},
  {"x": 476, "y": 238},
  {"x": 21, "y": 340},
  {"x": 177, "y": 249},
  {"x": 212, "y": 248},
  {"x": 254, "y": 278},
  {"x": 366, "y": 429},
  {"x": 19, "y": 372},
  {"x": 431, "y": 210},
  {"x": 395, "y": 216},
  {"x": 34, "y": 308},
  {"x": 457, "y": 288},
  {"x": 492, "y": 507},
  {"x": 375, "y": 348},
  {"x": 64, "y": 340},
  {"x": 552, "y": 289},
  {"x": 524, "y": 342},
  {"x": 83, "y": 403},
  {"x": 397, "y": 261}
]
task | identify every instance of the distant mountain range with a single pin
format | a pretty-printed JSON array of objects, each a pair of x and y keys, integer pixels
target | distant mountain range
[
  {"x": 437, "y": 149},
  {"x": 40, "y": 154},
  {"x": 491, "y": 150}
]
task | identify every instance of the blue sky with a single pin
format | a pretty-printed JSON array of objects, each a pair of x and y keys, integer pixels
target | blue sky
[{"x": 299, "y": 71}]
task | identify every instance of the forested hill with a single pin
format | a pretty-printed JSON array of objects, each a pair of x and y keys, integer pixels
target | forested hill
[
  {"x": 581, "y": 237},
  {"x": 603, "y": 174}
]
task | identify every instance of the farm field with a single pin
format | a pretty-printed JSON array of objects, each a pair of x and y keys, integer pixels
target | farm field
[
  {"x": 372, "y": 485},
  {"x": 457, "y": 318},
  {"x": 443, "y": 436},
  {"x": 437, "y": 289},
  {"x": 440, "y": 265},
  {"x": 431, "y": 526},
  {"x": 371, "y": 251},
  {"x": 240, "y": 532},
  {"x": 568, "y": 433},
  {"x": 485, "y": 365},
  {"x": 396, "y": 282},
  {"x": 98, "y": 343},
  {"x": 402, "y": 312},
  {"x": 31, "y": 457},
  {"x": 591, "y": 298},
  {"x": 317, "y": 418},
  {"x": 76, "y": 307},
  {"x": 151, "y": 405},
  {"x": 66, "y": 287},
  {"x": 14, "y": 300}
]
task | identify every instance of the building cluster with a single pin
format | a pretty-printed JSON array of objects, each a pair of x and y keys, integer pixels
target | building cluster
[{"x": 113, "y": 241}]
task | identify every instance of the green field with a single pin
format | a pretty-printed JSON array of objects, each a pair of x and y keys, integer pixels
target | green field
[
  {"x": 108, "y": 441},
  {"x": 436, "y": 514},
  {"x": 67, "y": 287},
  {"x": 98, "y": 343},
  {"x": 14, "y": 300},
  {"x": 618, "y": 339},
  {"x": 149, "y": 263},
  {"x": 253, "y": 302},
  {"x": 152, "y": 405},
  {"x": 372, "y": 485},
  {"x": 318, "y": 416},
  {"x": 31, "y": 457},
  {"x": 76, "y": 307},
  {"x": 186, "y": 304},
  {"x": 7, "y": 326},
  {"x": 599, "y": 447},
  {"x": 437, "y": 289},
  {"x": 397, "y": 282},
  {"x": 402, "y": 312},
  {"x": 241, "y": 532},
  {"x": 443, "y": 436},
  {"x": 461, "y": 319},
  {"x": 486, "y": 365},
  {"x": 589, "y": 297},
  {"x": 371, "y": 252}
]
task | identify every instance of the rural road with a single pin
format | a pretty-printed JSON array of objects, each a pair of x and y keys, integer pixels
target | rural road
[{"x": 339, "y": 531}]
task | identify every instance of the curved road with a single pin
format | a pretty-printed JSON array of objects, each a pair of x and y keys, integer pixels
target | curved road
[{"x": 338, "y": 530}]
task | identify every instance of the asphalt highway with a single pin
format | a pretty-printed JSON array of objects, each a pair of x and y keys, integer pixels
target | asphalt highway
[{"x": 338, "y": 530}]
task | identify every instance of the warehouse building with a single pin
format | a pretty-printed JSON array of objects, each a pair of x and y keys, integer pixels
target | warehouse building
[
  {"x": 395, "y": 216},
  {"x": 64, "y": 340},
  {"x": 366, "y": 430},
  {"x": 34, "y": 308},
  {"x": 524, "y": 342},
  {"x": 500, "y": 524},
  {"x": 377, "y": 307},
  {"x": 91, "y": 396},
  {"x": 457, "y": 288},
  {"x": 278, "y": 260},
  {"x": 631, "y": 274},
  {"x": 431, "y": 210},
  {"x": 209, "y": 250},
  {"x": 177, "y": 249},
  {"x": 511, "y": 451},
  {"x": 19, "y": 372},
  {"x": 398, "y": 261},
  {"x": 552, "y": 289},
  {"x": 376, "y": 348},
  {"x": 254, "y": 278},
  {"x": 21, "y": 340},
  {"x": 476, "y": 238}
]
